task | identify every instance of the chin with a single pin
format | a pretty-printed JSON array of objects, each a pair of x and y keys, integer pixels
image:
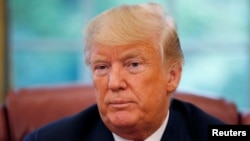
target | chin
[{"x": 122, "y": 119}]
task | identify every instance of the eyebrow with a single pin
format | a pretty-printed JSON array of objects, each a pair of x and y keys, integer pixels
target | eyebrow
[
  {"x": 130, "y": 54},
  {"x": 97, "y": 59}
]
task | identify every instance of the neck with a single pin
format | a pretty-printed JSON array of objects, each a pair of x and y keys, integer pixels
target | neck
[{"x": 140, "y": 134}]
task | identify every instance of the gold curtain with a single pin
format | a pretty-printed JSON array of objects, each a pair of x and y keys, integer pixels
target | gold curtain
[{"x": 3, "y": 51}]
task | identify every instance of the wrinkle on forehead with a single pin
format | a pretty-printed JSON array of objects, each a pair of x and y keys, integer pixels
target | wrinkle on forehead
[{"x": 125, "y": 51}]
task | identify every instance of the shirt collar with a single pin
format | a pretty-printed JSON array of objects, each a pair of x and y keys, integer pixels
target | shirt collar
[{"x": 156, "y": 136}]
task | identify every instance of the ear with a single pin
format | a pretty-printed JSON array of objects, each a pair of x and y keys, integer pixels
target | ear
[{"x": 174, "y": 76}]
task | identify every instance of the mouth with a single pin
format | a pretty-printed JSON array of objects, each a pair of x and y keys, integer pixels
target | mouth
[{"x": 120, "y": 104}]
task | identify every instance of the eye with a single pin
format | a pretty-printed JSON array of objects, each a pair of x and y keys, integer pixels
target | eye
[
  {"x": 100, "y": 69},
  {"x": 135, "y": 66}
]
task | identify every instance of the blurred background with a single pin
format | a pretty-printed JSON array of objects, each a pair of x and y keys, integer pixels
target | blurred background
[{"x": 42, "y": 44}]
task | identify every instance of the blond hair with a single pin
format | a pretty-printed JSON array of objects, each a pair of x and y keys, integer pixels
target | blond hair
[{"x": 129, "y": 24}]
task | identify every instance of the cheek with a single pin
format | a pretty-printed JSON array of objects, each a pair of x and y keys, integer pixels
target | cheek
[
  {"x": 153, "y": 87},
  {"x": 99, "y": 82},
  {"x": 100, "y": 86},
  {"x": 153, "y": 79}
]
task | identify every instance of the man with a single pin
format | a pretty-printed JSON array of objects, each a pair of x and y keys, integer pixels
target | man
[{"x": 136, "y": 63}]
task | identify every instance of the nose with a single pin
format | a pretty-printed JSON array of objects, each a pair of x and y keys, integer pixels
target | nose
[{"x": 117, "y": 79}]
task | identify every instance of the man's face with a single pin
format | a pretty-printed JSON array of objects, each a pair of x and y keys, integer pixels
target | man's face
[{"x": 130, "y": 85}]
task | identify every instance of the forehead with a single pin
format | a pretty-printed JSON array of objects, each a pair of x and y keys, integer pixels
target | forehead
[{"x": 132, "y": 50}]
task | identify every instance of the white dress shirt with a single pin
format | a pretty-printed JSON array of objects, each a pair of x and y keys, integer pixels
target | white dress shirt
[{"x": 156, "y": 136}]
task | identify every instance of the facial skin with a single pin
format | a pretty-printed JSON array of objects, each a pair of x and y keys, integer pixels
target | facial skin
[{"x": 131, "y": 88}]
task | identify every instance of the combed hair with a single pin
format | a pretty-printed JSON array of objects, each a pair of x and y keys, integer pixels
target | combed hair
[{"x": 130, "y": 24}]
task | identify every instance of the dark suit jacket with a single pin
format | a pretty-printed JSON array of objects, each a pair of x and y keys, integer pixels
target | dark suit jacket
[{"x": 186, "y": 123}]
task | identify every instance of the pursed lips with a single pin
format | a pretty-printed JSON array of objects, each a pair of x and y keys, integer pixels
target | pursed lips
[{"x": 120, "y": 104}]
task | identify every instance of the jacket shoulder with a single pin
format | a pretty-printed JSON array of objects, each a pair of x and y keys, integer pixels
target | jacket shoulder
[
  {"x": 81, "y": 126},
  {"x": 187, "y": 122},
  {"x": 192, "y": 113}
]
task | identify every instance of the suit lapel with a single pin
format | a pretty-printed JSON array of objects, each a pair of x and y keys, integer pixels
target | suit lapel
[
  {"x": 102, "y": 133},
  {"x": 176, "y": 128}
]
